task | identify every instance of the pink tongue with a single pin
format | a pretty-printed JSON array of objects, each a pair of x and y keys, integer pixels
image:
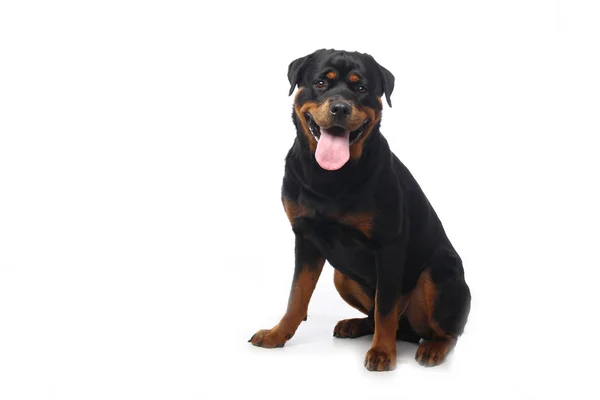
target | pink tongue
[{"x": 333, "y": 151}]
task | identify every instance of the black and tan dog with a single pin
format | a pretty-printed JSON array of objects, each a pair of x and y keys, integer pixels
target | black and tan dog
[{"x": 350, "y": 201}]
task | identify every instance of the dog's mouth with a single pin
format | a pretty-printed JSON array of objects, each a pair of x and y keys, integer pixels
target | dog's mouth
[
  {"x": 333, "y": 144},
  {"x": 315, "y": 129}
]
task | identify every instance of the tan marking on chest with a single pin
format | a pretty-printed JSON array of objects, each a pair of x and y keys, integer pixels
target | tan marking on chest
[
  {"x": 361, "y": 221},
  {"x": 294, "y": 210}
]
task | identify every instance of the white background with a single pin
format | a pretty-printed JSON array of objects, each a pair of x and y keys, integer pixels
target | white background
[{"x": 142, "y": 239}]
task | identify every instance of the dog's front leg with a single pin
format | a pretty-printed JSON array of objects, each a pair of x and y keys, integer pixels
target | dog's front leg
[
  {"x": 388, "y": 305},
  {"x": 309, "y": 264}
]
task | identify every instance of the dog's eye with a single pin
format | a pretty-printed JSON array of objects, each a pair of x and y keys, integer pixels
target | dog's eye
[
  {"x": 320, "y": 84},
  {"x": 362, "y": 89}
]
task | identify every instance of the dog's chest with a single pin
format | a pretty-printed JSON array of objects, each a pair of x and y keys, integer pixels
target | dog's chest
[
  {"x": 326, "y": 224},
  {"x": 343, "y": 238},
  {"x": 344, "y": 243}
]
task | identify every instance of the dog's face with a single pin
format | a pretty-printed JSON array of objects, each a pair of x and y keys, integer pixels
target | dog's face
[{"x": 338, "y": 103}]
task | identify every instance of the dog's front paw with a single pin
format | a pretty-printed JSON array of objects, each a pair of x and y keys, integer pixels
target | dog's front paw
[
  {"x": 269, "y": 338},
  {"x": 380, "y": 360}
]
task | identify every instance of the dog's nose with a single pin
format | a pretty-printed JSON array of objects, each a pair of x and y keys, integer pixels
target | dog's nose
[{"x": 339, "y": 108}]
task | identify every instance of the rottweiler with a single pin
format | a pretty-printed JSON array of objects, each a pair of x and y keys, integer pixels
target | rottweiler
[{"x": 351, "y": 201}]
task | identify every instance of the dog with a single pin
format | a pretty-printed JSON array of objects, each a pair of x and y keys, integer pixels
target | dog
[{"x": 351, "y": 201}]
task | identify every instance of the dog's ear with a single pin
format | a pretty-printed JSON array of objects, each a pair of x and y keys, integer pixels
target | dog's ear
[
  {"x": 388, "y": 83},
  {"x": 295, "y": 70}
]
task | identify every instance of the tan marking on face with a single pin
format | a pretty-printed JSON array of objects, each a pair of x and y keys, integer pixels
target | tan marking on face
[
  {"x": 325, "y": 119},
  {"x": 331, "y": 75},
  {"x": 357, "y": 117},
  {"x": 353, "y": 78},
  {"x": 319, "y": 112},
  {"x": 300, "y": 111},
  {"x": 374, "y": 116}
]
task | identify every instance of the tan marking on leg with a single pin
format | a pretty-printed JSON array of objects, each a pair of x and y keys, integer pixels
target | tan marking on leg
[
  {"x": 382, "y": 355},
  {"x": 352, "y": 293},
  {"x": 353, "y": 328},
  {"x": 434, "y": 352},
  {"x": 420, "y": 306},
  {"x": 297, "y": 308}
]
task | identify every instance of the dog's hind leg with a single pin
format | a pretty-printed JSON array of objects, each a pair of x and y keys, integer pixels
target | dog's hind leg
[
  {"x": 438, "y": 310},
  {"x": 356, "y": 296}
]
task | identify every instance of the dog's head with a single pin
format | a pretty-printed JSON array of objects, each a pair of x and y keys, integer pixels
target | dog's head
[{"x": 338, "y": 103}]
